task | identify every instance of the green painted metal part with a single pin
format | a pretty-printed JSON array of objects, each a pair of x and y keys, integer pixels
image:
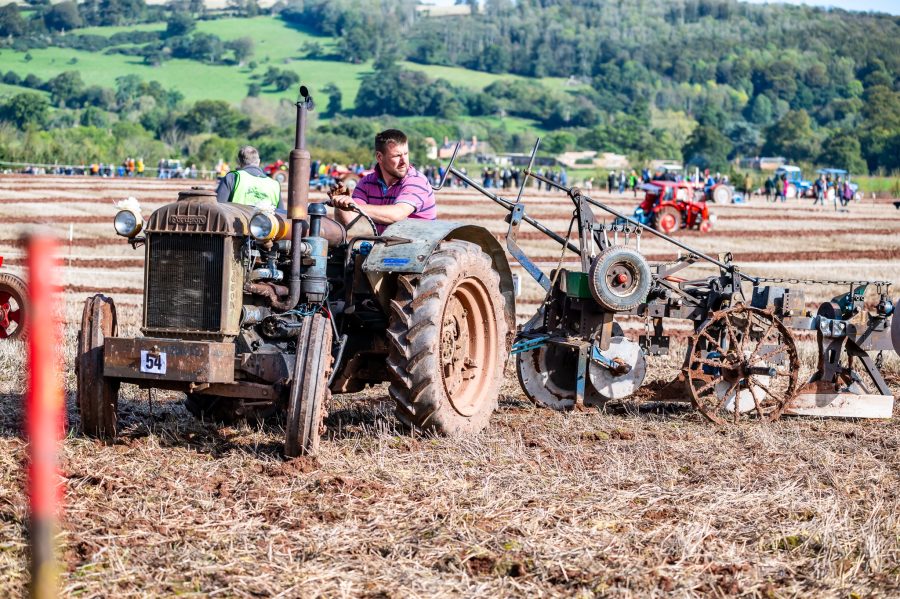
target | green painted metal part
[{"x": 577, "y": 284}]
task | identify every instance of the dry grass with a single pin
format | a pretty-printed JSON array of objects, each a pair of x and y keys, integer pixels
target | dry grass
[
  {"x": 641, "y": 500},
  {"x": 637, "y": 501}
]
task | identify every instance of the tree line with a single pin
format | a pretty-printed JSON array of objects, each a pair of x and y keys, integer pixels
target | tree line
[{"x": 801, "y": 82}]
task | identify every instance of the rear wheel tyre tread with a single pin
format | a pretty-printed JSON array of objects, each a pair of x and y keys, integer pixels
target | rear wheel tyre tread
[{"x": 415, "y": 341}]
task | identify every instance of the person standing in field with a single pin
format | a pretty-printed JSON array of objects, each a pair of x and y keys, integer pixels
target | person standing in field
[
  {"x": 748, "y": 188},
  {"x": 248, "y": 184},
  {"x": 819, "y": 186},
  {"x": 394, "y": 191}
]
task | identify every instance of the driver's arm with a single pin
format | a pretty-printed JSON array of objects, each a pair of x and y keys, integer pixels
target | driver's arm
[{"x": 382, "y": 215}]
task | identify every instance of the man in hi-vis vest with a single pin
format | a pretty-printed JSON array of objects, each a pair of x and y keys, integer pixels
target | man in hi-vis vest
[{"x": 249, "y": 184}]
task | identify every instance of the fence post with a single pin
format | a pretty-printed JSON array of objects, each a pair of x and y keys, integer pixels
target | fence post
[{"x": 44, "y": 417}]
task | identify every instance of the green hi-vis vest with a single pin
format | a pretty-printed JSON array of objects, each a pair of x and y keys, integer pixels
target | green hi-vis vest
[{"x": 253, "y": 191}]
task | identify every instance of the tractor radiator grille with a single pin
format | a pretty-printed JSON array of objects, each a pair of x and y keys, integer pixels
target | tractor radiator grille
[{"x": 184, "y": 282}]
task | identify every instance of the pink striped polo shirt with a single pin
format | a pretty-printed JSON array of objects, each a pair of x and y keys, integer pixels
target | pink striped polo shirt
[{"x": 413, "y": 189}]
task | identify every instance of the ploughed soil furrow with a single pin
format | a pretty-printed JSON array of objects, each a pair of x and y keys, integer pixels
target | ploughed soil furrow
[
  {"x": 862, "y": 254},
  {"x": 83, "y": 242},
  {"x": 87, "y": 262},
  {"x": 110, "y": 200},
  {"x": 107, "y": 290},
  {"x": 760, "y": 215},
  {"x": 531, "y": 235},
  {"x": 754, "y": 233}
]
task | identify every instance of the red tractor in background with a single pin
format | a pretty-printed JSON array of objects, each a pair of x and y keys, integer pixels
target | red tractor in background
[
  {"x": 13, "y": 306},
  {"x": 278, "y": 170},
  {"x": 338, "y": 173},
  {"x": 672, "y": 205}
]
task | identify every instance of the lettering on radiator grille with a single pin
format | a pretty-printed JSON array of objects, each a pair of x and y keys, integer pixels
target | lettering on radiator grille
[
  {"x": 184, "y": 282},
  {"x": 187, "y": 219}
]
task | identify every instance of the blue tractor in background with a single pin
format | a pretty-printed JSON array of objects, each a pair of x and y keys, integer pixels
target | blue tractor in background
[{"x": 797, "y": 187}]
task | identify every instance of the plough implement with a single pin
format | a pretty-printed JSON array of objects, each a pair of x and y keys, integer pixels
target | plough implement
[{"x": 741, "y": 360}]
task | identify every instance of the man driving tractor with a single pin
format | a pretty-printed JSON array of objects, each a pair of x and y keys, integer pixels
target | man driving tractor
[{"x": 393, "y": 192}]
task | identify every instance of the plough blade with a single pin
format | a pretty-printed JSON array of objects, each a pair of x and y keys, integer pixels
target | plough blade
[{"x": 814, "y": 400}]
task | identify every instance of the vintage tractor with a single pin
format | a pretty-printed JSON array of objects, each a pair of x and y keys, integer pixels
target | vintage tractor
[
  {"x": 277, "y": 170},
  {"x": 669, "y": 206},
  {"x": 741, "y": 360},
  {"x": 13, "y": 306},
  {"x": 797, "y": 186},
  {"x": 250, "y": 313}
]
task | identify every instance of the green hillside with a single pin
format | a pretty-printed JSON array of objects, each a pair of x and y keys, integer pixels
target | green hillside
[
  {"x": 710, "y": 82},
  {"x": 276, "y": 43}
]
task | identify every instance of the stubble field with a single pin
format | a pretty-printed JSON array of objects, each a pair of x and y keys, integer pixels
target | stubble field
[{"x": 640, "y": 500}]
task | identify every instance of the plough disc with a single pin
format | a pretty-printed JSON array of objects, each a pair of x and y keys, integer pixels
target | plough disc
[
  {"x": 548, "y": 376},
  {"x": 612, "y": 386}
]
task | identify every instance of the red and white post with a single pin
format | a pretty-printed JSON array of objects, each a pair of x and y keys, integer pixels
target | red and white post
[{"x": 44, "y": 414}]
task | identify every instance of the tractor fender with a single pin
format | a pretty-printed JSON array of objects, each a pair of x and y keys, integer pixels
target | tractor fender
[{"x": 386, "y": 261}]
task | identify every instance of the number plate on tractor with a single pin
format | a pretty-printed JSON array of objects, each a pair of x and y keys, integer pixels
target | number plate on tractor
[
  {"x": 153, "y": 362},
  {"x": 146, "y": 358}
]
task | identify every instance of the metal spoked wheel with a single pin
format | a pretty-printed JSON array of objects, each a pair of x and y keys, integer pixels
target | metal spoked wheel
[{"x": 742, "y": 362}]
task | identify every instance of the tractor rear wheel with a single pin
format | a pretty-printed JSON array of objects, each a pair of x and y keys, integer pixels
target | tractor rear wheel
[
  {"x": 668, "y": 219},
  {"x": 13, "y": 307},
  {"x": 308, "y": 391},
  {"x": 447, "y": 342},
  {"x": 98, "y": 396},
  {"x": 722, "y": 194}
]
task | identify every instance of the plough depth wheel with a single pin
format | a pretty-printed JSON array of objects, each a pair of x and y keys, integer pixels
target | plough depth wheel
[
  {"x": 742, "y": 361},
  {"x": 619, "y": 278}
]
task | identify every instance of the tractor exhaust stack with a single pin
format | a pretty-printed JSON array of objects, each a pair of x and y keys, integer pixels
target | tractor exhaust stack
[{"x": 298, "y": 198}]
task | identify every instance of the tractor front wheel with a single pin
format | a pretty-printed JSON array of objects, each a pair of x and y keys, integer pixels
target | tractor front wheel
[
  {"x": 447, "y": 342},
  {"x": 668, "y": 219},
  {"x": 98, "y": 396},
  {"x": 308, "y": 391}
]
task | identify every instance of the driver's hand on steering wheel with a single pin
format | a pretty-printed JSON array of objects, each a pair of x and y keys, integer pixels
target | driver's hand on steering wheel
[{"x": 344, "y": 202}]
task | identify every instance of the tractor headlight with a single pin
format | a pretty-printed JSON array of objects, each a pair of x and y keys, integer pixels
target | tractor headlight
[
  {"x": 128, "y": 223},
  {"x": 263, "y": 226}
]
